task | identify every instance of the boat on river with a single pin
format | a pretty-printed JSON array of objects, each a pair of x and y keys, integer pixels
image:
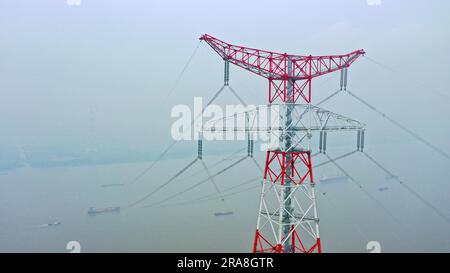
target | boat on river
[{"x": 93, "y": 210}]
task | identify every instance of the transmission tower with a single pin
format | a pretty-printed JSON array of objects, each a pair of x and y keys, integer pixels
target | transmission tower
[{"x": 288, "y": 218}]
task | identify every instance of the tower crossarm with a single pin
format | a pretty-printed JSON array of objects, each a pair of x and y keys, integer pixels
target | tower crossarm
[
  {"x": 274, "y": 66},
  {"x": 305, "y": 118}
]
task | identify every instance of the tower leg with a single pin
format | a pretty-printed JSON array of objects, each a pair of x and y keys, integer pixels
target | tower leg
[{"x": 293, "y": 228}]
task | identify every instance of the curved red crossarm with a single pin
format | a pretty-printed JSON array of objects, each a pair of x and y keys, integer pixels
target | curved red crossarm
[{"x": 279, "y": 68}]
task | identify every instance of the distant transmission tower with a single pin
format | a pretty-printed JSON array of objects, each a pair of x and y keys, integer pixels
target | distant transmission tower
[{"x": 288, "y": 219}]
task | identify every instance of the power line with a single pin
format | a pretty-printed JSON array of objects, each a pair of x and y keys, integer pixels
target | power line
[
  {"x": 211, "y": 178},
  {"x": 334, "y": 159},
  {"x": 409, "y": 131},
  {"x": 396, "y": 123},
  {"x": 387, "y": 67},
  {"x": 217, "y": 163},
  {"x": 160, "y": 187},
  {"x": 399, "y": 125},
  {"x": 408, "y": 188},
  {"x": 360, "y": 186},
  {"x": 180, "y": 76},
  {"x": 197, "y": 184},
  {"x": 165, "y": 183},
  {"x": 213, "y": 196},
  {"x": 233, "y": 193},
  {"x": 329, "y": 97},
  {"x": 257, "y": 165},
  {"x": 251, "y": 180},
  {"x": 354, "y": 224},
  {"x": 224, "y": 193},
  {"x": 159, "y": 158}
]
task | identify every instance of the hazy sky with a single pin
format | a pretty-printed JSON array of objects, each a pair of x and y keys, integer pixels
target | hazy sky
[{"x": 122, "y": 57}]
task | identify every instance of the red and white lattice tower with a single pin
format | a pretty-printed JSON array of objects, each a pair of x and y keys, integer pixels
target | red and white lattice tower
[{"x": 288, "y": 219}]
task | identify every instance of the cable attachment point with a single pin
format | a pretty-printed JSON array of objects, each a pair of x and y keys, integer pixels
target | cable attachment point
[
  {"x": 344, "y": 73},
  {"x": 200, "y": 149},
  {"x": 226, "y": 73},
  {"x": 323, "y": 142},
  {"x": 250, "y": 147},
  {"x": 360, "y": 141}
]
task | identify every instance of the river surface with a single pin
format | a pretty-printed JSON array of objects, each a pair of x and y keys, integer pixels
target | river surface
[{"x": 33, "y": 197}]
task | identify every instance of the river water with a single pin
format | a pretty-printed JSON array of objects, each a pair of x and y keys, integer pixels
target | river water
[{"x": 32, "y": 197}]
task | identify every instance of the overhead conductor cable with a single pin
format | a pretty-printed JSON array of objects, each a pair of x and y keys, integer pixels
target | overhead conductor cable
[
  {"x": 197, "y": 184},
  {"x": 365, "y": 191},
  {"x": 401, "y": 126},
  {"x": 408, "y": 188}
]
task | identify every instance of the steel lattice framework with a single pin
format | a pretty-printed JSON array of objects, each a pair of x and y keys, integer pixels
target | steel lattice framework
[
  {"x": 288, "y": 219},
  {"x": 282, "y": 70}
]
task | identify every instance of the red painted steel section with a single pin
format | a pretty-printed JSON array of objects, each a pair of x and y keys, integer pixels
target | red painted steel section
[
  {"x": 274, "y": 67},
  {"x": 275, "y": 172}
]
